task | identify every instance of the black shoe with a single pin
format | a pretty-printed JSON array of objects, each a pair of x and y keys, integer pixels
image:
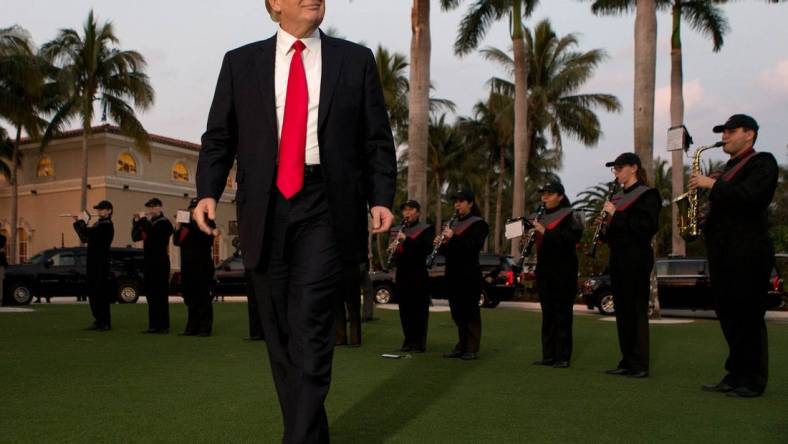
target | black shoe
[
  {"x": 638, "y": 374},
  {"x": 104, "y": 328},
  {"x": 544, "y": 362},
  {"x": 561, "y": 364},
  {"x": 406, "y": 349},
  {"x": 720, "y": 387},
  {"x": 618, "y": 372},
  {"x": 419, "y": 349},
  {"x": 744, "y": 392},
  {"x": 93, "y": 326},
  {"x": 453, "y": 354},
  {"x": 469, "y": 356}
]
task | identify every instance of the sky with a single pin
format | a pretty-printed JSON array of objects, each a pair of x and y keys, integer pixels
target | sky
[{"x": 184, "y": 41}]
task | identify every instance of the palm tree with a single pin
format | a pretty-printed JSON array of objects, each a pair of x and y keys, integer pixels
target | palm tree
[
  {"x": 472, "y": 29},
  {"x": 391, "y": 69},
  {"x": 446, "y": 153},
  {"x": 22, "y": 94},
  {"x": 6, "y": 154},
  {"x": 92, "y": 69},
  {"x": 418, "y": 102}
]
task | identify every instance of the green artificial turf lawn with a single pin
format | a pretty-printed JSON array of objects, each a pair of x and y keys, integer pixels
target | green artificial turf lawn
[{"x": 62, "y": 384}]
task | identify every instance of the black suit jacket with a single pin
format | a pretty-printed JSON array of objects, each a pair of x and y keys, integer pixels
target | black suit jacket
[{"x": 356, "y": 145}]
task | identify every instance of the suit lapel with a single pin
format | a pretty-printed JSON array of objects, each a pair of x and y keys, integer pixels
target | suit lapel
[
  {"x": 331, "y": 66},
  {"x": 264, "y": 65}
]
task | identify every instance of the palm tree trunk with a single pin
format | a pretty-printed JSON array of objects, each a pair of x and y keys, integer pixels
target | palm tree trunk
[
  {"x": 13, "y": 251},
  {"x": 676, "y": 119},
  {"x": 645, "y": 77},
  {"x": 438, "y": 206},
  {"x": 499, "y": 199},
  {"x": 487, "y": 207},
  {"x": 521, "y": 142},
  {"x": 418, "y": 101},
  {"x": 83, "y": 196}
]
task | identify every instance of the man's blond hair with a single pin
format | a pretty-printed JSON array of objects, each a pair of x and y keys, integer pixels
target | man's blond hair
[{"x": 274, "y": 15}]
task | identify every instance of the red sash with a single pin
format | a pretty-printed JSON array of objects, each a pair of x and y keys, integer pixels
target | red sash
[
  {"x": 552, "y": 220},
  {"x": 728, "y": 175},
  {"x": 415, "y": 231},
  {"x": 622, "y": 200},
  {"x": 463, "y": 225}
]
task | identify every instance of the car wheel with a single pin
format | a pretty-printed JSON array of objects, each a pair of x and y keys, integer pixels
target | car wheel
[
  {"x": 606, "y": 306},
  {"x": 486, "y": 302},
  {"x": 20, "y": 294},
  {"x": 384, "y": 294},
  {"x": 128, "y": 291}
]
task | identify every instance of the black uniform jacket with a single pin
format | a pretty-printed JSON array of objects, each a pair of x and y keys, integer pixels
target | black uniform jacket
[
  {"x": 356, "y": 146},
  {"x": 196, "y": 249},
  {"x": 557, "y": 247},
  {"x": 630, "y": 230},
  {"x": 737, "y": 219},
  {"x": 462, "y": 253},
  {"x": 99, "y": 239},
  {"x": 155, "y": 234},
  {"x": 413, "y": 252}
]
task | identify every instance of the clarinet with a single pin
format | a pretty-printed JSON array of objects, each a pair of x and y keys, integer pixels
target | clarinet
[
  {"x": 529, "y": 243},
  {"x": 602, "y": 223},
  {"x": 394, "y": 247},
  {"x": 450, "y": 224}
]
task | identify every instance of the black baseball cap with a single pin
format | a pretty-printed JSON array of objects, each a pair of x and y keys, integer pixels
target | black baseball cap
[
  {"x": 154, "y": 202},
  {"x": 410, "y": 204},
  {"x": 553, "y": 187},
  {"x": 737, "y": 121},
  {"x": 625, "y": 159},
  {"x": 193, "y": 203},
  {"x": 103, "y": 205},
  {"x": 466, "y": 195}
]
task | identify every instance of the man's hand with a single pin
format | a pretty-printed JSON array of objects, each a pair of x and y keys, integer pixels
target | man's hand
[
  {"x": 205, "y": 209},
  {"x": 381, "y": 218},
  {"x": 700, "y": 181}
]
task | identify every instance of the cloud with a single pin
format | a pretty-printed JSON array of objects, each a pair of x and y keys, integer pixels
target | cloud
[{"x": 775, "y": 79}]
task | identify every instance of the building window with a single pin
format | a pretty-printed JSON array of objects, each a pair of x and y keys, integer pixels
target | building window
[
  {"x": 45, "y": 167},
  {"x": 126, "y": 164},
  {"x": 21, "y": 241},
  {"x": 216, "y": 250},
  {"x": 180, "y": 173}
]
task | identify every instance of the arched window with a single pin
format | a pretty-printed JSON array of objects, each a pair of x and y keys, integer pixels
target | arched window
[
  {"x": 180, "y": 172},
  {"x": 126, "y": 164},
  {"x": 21, "y": 242},
  {"x": 45, "y": 167},
  {"x": 216, "y": 250}
]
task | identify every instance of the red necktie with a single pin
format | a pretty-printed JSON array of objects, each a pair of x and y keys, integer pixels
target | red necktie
[{"x": 290, "y": 175}]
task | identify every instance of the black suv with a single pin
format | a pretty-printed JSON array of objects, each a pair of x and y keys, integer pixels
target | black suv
[
  {"x": 63, "y": 272},
  {"x": 497, "y": 272},
  {"x": 229, "y": 278},
  {"x": 682, "y": 283}
]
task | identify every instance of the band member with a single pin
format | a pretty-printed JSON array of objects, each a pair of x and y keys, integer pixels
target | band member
[
  {"x": 196, "y": 275},
  {"x": 303, "y": 114},
  {"x": 741, "y": 255},
  {"x": 461, "y": 246},
  {"x": 98, "y": 237},
  {"x": 557, "y": 233},
  {"x": 154, "y": 230},
  {"x": 411, "y": 247},
  {"x": 633, "y": 220}
]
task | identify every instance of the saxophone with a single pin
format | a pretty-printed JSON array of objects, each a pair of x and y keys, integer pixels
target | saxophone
[{"x": 689, "y": 203}]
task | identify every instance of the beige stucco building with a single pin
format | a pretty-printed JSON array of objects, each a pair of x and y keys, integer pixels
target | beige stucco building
[{"x": 49, "y": 186}]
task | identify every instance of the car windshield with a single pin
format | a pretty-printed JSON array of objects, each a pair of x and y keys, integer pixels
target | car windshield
[{"x": 35, "y": 259}]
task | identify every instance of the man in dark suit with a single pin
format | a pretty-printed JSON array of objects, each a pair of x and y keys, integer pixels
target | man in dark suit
[{"x": 304, "y": 116}]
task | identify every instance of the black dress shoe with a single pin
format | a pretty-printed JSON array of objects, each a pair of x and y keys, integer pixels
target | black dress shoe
[
  {"x": 744, "y": 392},
  {"x": 453, "y": 354},
  {"x": 93, "y": 326},
  {"x": 419, "y": 349},
  {"x": 544, "y": 362},
  {"x": 469, "y": 356},
  {"x": 406, "y": 348},
  {"x": 561, "y": 364},
  {"x": 618, "y": 372},
  {"x": 720, "y": 387},
  {"x": 104, "y": 328},
  {"x": 638, "y": 374}
]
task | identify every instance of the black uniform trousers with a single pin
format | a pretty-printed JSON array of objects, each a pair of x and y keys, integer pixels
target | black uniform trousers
[
  {"x": 252, "y": 309},
  {"x": 414, "y": 310},
  {"x": 630, "y": 283},
  {"x": 556, "y": 296},
  {"x": 740, "y": 297},
  {"x": 347, "y": 306},
  {"x": 296, "y": 283},
  {"x": 467, "y": 316},
  {"x": 198, "y": 299},
  {"x": 157, "y": 292},
  {"x": 99, "y": 292}
]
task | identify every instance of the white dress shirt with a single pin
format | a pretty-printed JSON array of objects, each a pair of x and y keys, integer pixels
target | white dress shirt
[{"x": 313, "y": 64}]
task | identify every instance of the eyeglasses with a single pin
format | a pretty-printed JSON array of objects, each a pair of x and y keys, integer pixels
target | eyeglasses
[{"x": 617, "y": 168}]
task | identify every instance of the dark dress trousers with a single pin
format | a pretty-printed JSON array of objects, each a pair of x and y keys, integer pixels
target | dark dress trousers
[
  {"x": 296, "y": 248},
  {"x": 98, "y": 237},
  {"x": 556, "y": 281},
  {"x": 464, "y": 280},
  {"x": 347, "y": 307},
  {"x": 196, "y": 277},
  {"x": 741, "y": 257},
  {"x": 411, "y": 280},
  {"x": 155, "y": 234},
  {"x": 629, "y": 235}
]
